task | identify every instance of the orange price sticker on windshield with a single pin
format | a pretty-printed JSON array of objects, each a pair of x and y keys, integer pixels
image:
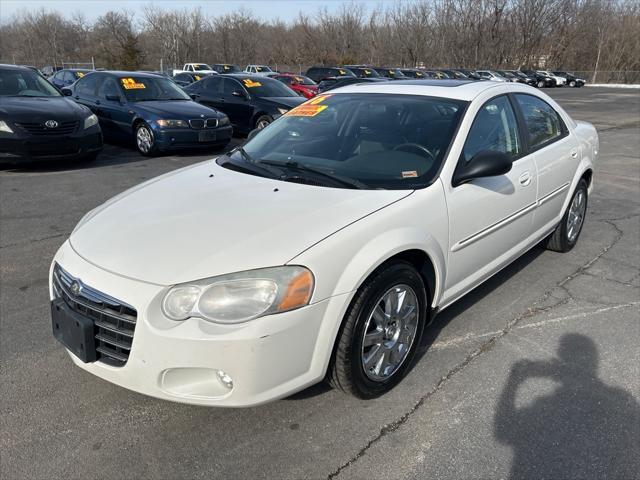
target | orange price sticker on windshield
[
  {"x": 131, "y": 84},
  {"x": 310, "y": 108},
  {"x": 250, "y": 83},
  {"x": 80, "y": 74}
]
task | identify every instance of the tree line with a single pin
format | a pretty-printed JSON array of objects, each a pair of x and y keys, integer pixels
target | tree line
[{"x": 579, "y": 35}]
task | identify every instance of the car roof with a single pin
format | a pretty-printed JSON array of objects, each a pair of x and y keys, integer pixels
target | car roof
[
  {"x": 124, "y": 73},
  {"x": 456, "y": 89},
  {"x": 6, "y": 66}
]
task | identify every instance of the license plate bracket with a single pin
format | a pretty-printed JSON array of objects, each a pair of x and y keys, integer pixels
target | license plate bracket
[
  {"x": 207, "y": 136},
  {"x": 74, "y": 331}
]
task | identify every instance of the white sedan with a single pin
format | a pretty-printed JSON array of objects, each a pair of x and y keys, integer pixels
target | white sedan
[{"x": 325, "y": 246}]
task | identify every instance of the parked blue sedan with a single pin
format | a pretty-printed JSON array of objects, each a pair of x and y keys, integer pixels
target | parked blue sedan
[{"x": 150, "y": 109}]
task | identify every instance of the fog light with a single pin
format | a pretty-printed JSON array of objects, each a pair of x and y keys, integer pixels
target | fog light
[{"x": 225, "y": 379}]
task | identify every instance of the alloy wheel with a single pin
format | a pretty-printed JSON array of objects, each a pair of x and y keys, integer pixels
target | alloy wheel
[
  {"x": 389, "y": 332},
  {"x": 144, "y": 139},
  {"x": 576, "y": 215}
]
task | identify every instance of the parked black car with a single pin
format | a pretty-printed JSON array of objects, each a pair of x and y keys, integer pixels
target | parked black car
[
  {"x": 226, "y": 68},
  {"x": 64, "y": 78},
  {"x": 391, "y": 73},
  {"x": 471, "y": 74},
  {"x": 187, "y": 78},
  {"x": 250, "y": 101},
  {"x": 522, "y": 77},
  {"x": 151, "y": 110},
  {"x": 542, "y": 81},
  {"x": 362, "y": 71},
  {"x": 38, "y": 123},
  {"x": 317, "y": 74},
  {"x": 413, "y": 73},
  {"x": 454, "y": 74},
  {"x": 337, "y": 82},
  {"x": 572, "y": 80}
]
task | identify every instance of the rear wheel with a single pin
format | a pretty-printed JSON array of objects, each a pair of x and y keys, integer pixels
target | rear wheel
[
  {"x": 566, "y": 234},
  {"x": 145, "y": 140},
  {"x": 572, "y": 83},
  {"x": 540, "y": 84},
  {"x": 381, "y": 332}
]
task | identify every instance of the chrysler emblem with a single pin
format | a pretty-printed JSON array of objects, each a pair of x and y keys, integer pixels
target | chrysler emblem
[
  {"x": 76, "y": 288},
  {"x": 51, "y": 124}
]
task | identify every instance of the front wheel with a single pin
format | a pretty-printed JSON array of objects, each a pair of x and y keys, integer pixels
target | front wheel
[
  {"x": 145, "y": 140},
  {"x": 381, "y": 332},
  {"x": 263, "y": 121},
  {"x": 566, "y": 234},
  {"x": 540, "y": 84},
  {"x": 572, "y": 83}
]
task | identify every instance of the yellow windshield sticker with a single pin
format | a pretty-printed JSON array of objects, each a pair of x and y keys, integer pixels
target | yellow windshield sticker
[
  {"x": 299, "y": 79},
  {"x": 130, "y": 84},
  {"x": 367, "y": 72},
  {"x": 419, "y": 74},
  {"x": 310, "y": 108},
  {"x": 391, "y": 72},
  {"x": 80, "y": 74},
  {"x": 250, "y": 83},
  {"x": 197, "y": 77},
  {"x": 226, "y": 67},
  {"x": 343, "y": 72}
]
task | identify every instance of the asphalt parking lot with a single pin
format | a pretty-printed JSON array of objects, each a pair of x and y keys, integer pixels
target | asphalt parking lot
[{"x": 539, "y": 364}]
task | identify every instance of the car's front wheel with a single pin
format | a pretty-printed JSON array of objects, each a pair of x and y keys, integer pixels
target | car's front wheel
[
  {"x": 145, "y": 140},
  {"x": 572, "y": 83},
  {"x": 263, "y": 121},
  {"x": 381, "y": 332},
  {"x": 566, "y": 234},
  {"x": 540, "y": 84}
]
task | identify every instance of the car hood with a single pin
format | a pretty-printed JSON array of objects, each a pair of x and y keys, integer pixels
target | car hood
[
  {"x": 206, "y": 220},
  {"x": 285, "y": 101},
  {"x": 178, "y": 108},
  {"x": 40, "y": 109}
]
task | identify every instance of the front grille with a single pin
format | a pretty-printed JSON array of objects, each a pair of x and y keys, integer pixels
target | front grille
[
  {"x": 63, "y": 128},
  {"x": 199, "y": 123},
  {"x": 114, "y": 321}
]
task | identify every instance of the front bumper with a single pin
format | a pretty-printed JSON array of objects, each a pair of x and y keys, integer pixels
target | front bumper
[
  {"x": 268, "y": 358},
  {"x": 183, "y": 138},
  {"x": 18, "y": 148}
]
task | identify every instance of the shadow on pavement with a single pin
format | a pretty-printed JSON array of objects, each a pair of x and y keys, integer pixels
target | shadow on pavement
[{"x": 584, "y": 429}]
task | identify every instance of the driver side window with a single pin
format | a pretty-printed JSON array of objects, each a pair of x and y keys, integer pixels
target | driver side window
[
  {"x": 109, "y": 87},
  {"x": 494, "y": 129}
]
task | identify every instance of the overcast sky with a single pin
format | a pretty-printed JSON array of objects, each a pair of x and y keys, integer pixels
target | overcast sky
[{"x": 264, "y": 9}]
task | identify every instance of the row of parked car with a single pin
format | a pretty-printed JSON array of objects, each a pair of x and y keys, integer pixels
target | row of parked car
[{"x": 199, "y": 105}]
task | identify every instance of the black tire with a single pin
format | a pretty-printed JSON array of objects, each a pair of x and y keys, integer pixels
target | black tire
[
  {"x": 152, "y": 149},
  {"x": 572, "y": 83},
  {"x": 541, "y": 84},
  {"x": 262, "y": 121},
  {"x": 346, "y": 371},
  {"x": 559, "y": 240}
]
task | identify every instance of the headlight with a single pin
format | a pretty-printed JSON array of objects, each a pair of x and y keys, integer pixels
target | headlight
[
  {"x": 4, "y": 127},
  {"x": 223, "y": 121},
  {"x": 283, "y": 110},
  {"x": 243, "y": 296},
  {"x": 172, "y": 123},
  {"x": 90, "y": 121}
]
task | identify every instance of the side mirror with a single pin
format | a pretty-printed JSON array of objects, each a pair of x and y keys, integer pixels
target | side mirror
[
  {"x": 253, "y": 133},
  {"x": 66, "y": 91},
  {"x": 239, "y": 93},
  {"x": 484, "y": 164},
  {"x": 113, "y": 98}
]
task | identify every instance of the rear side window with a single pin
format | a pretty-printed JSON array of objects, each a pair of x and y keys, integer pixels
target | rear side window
[
  {"x": 212, "y": 84},
  {"x": 494, "y": 129},
  {"x": 543, "y": 124},
  {"x": 230, "y": 86},
  {"x": 87, "y": 85}
]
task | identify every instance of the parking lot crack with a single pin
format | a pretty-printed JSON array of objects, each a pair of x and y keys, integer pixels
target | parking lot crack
[{"x": 538, "y": 307}]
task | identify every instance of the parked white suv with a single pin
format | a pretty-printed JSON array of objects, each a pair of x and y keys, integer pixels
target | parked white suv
[
  {"x": 324, "y": 247},
  {"x": 560, "y": 81},
  {"x": 263, "y": 70}
]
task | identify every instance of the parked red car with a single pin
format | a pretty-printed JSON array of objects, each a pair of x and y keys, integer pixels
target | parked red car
[{"x": 298, "y": 83}]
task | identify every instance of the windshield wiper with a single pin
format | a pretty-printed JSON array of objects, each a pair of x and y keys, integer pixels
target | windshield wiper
[
  {"x": 272, "y": 172},
  {"x": 347, "y": 181}
]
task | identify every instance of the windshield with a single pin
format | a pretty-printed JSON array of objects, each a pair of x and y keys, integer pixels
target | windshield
[
  {"x": 263, "y": 68},
  {"x": 266, "y": 87},
  {"x": 367, "y": 72},
  {"x": 140, "y": 89},
  {"x": 230, "y": 68},
  {"x": 302, "y": 80},
  {"x": 199, "y": 67},
  {"x": 380, "y": 141},
  {"x": 25, "y": 83}
]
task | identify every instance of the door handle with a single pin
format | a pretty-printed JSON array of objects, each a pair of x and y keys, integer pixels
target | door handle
[
  {"x": 525, "y": 179},
  {"x": 574, "y": 153}
]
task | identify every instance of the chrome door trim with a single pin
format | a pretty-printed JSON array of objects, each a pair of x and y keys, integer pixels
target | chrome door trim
[
  {"x": 553, "y": 193},
  {"x": 492, "y": 228}
]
